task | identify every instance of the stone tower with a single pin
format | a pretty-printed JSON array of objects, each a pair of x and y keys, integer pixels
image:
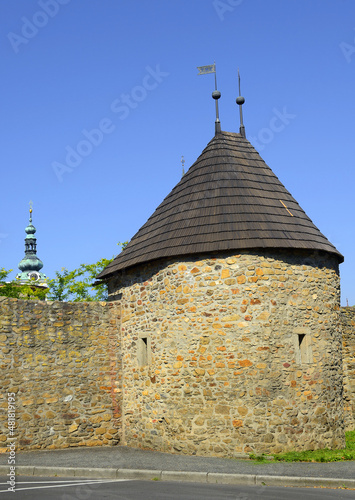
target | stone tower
[{"x": 230, "y": 330}]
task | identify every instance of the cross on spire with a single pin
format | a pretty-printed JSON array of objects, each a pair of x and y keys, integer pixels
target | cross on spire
[{"x": 183, "y": 163}]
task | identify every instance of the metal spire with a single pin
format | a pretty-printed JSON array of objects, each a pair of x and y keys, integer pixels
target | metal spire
[
  {"x": 183, "y": 163},
  {"x": 216, "y": 95},
  {"x": 204, "y": 70},
  {"x": 240, "y": 101}
]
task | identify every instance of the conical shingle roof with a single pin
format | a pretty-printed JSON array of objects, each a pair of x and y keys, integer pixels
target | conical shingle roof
[{"x": 228, "y": 200}]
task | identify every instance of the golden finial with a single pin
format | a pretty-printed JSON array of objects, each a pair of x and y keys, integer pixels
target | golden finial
[{"x": 31, "y": 205}]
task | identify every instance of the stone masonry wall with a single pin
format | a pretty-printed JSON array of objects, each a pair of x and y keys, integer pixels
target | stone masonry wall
[
  {"x": 62, "y": 362},
  {"x": 348, "y": 329},
  {"x": 223, "y": 355},
  {"x": 233, "y": 353}
]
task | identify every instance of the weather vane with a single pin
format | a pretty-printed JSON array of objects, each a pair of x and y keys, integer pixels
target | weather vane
[{"x": 204, "y": 70}]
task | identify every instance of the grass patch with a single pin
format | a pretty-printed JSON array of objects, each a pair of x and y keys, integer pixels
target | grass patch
[
  {"x": 348, "y": 453},
  {"x": 259, "y": 458}
]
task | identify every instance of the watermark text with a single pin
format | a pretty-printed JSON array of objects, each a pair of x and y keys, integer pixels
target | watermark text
[
  {"x": 225, "y": 6},
  {"x": 31, "y": 27},
  {"x": 348, "y": 50},
  {"x": 277, "y": 124},
  {"x": 11, "y": 425},
  {"x": 121, "y": 107}
]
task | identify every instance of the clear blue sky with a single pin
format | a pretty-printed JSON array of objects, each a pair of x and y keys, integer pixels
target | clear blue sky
[{"x": 128, "y": 67}]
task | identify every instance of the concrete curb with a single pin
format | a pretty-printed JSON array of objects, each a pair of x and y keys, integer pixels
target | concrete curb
[{"x": 198, "y": 477}]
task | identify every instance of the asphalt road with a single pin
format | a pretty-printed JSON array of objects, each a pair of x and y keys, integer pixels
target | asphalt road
[
  {"x": 39, "y": 488},
  {"x": 122, "y": 457}
]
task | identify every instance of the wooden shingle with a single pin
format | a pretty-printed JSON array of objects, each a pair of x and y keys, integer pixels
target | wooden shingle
[{"x": 228, "y": 200}]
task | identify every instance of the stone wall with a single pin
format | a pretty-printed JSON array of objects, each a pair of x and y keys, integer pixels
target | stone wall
[
  {"x": 228, "y": 354},
  {"x": 348, "y": 329},
  {"x": 62, "y": 362},
  {"x": 233, "y": 353}
]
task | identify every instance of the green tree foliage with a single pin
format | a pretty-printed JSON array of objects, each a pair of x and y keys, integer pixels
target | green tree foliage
[
  {"x": 16, "y": 290},
  {"x": 77, "y": 285},
  {"x": 73, "y": 286},
  {"x": 4, "y": 274}
]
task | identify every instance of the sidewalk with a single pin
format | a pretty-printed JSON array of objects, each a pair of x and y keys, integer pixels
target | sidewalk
[{"x": 131, "y": 463}]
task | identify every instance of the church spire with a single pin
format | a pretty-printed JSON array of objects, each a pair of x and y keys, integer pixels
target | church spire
[{"x": 30, "y": 265}]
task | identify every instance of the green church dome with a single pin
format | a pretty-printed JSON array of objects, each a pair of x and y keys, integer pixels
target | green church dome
[{"x": 30, "y": 265}]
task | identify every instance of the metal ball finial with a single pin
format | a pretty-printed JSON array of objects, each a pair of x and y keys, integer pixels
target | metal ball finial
[
  {"x": 216, "y": 94},
  {"x": 240, "y": 101}
]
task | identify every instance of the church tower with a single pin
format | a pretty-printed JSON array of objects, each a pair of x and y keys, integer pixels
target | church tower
[{"x": 31, "y": 265}]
